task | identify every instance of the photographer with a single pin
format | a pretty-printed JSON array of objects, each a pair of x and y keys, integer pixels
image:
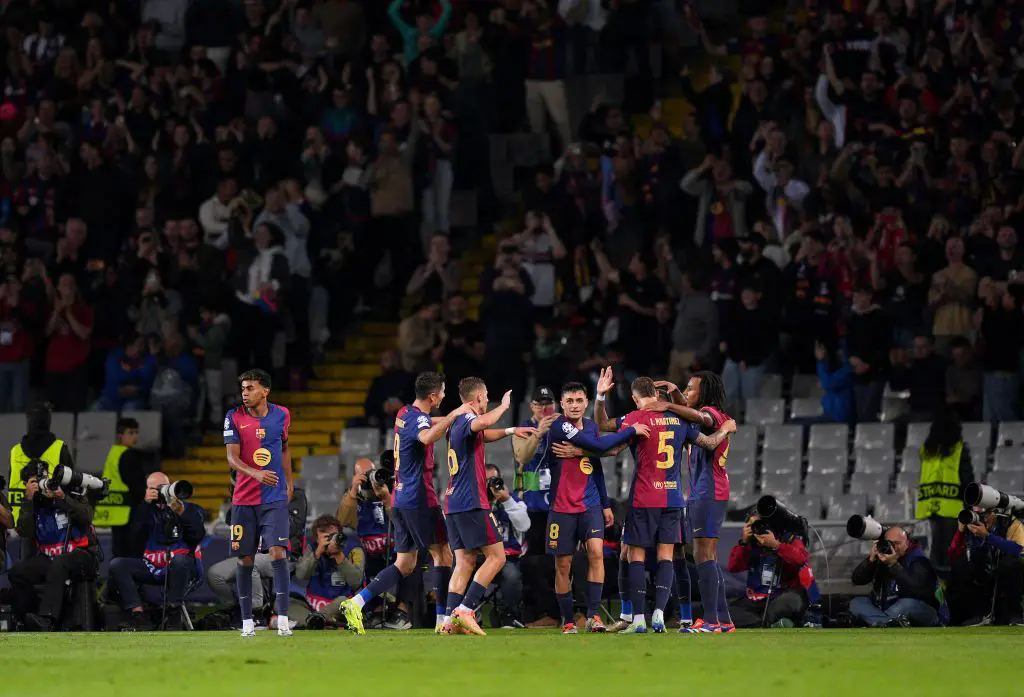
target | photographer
[
  {"x": 168, "y": 530},
  {"x": 903, "y": 582},
  {"x": 334, "y": 571},
  {"x": 513, "y": 521},
  {"x": 58, "y": 544},
  {"x": 37, "y": 445},
  {"x": 987, "y": 582},
  {"x": 366, "y": 508},
  {"x": 777, "y": 572}
]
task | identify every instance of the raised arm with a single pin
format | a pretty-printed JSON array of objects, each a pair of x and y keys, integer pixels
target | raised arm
[
  {"x": 602, "y": 444},
  {"x": 487, "y": 420},
  {"x": 439, "y": 426},
  {"x": 604, "y": 385}
]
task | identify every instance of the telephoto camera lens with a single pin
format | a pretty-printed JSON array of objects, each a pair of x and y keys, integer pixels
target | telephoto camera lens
[
  {"x": 69, "y": 479},
  {"x": 759, "y": 527},
  {"x": 381, "y": 477},
  {"x": 180, "y": 490},
  {"x": 864, "y": 528},
  {"x": 983, "y": 496},
  {"x": 968, "y": 517},
  {"x": 495, "y": 483}
]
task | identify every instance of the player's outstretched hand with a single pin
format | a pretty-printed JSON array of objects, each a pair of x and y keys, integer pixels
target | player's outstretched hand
[
  {"x": 729, "y": 426},
  {"x": 670, "y": 386},
  {"x": 566, "y": 451},
  {"x": 525, "y": 431},
  {"x": 506, "y": 399},
  {"x": 606, "y": 381},
  {"x": 268, "y": 478},
  {"x": 642, "y": 430}
]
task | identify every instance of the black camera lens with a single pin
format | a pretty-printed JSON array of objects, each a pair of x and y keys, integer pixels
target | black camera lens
[
  {"x": 759, "y": 527},
  {"x": 496, "y": 483},
  {"x": 340, "y": 538},
  {"x": 884, "y": 547}
]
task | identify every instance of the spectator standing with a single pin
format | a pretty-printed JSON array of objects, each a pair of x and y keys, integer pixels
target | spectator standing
[
  {"x": 721, "y": 209},
  {"x": 418, "y": 335},
  {"x": 16, "y": 345},
  {"x": 545, "y": 71},
  {"x": 1001, "y": 326},
  {"x": 426, "y": 33},
  {"x": 128, "y": 377},
  {"x": 748, "y": 340},
  {"x": 388, "y": 392},
  {"x": 923, "y": 374},
  {"x": 438, "y": 143},
  {"x": 963, "y": 381},
  {"x": 541, "y": 247},
  {"x": 439, "y": 276},
  {"x": 69, "y": 329},
  {"x": 868, "y": 346},
  {"x": 696, "y": 331},
  {"x": 463, "y": 348},
  {"x": 951, "y": 296}
]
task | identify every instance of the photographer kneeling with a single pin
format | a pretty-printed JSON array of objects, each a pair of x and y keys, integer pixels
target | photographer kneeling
[
  {"x": 334, "y": 571},
  {"x": 987, "y": 580},
  {"x": 55, "y": 525},
  {"x": 513, "y": 522},
  {"x": 903, "y": 582},
  {"x": 776, "y": 596},
  {"x": 168, "y": 528}
]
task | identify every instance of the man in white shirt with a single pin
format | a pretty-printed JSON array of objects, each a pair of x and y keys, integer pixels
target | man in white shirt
[{"x": 215, "y": 213}]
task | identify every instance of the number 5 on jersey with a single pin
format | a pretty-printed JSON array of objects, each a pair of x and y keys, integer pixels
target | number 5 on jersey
[{"x": 665, "y": 448}]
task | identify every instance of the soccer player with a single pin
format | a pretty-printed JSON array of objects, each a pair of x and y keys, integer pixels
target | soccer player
[
  {"x": 256, "y": 439},
  {"x": 471, "y": 526},
  {"x": 415, "y": 512},
  {"x": 580, "y": 509},
  {"x": 654, "y": 516},
  {"x": 708, "y": 497}
]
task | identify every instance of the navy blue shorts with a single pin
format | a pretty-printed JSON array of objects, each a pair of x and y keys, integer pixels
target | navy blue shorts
[
  {"x": 646, "y": 527},
  {"x": 417, "y": 528},
  {"x": 568, "y": 530},
  {"x": 249, "y": 524},
  {"x": 704, "y": 518},
  {"x": 471, "y": 529}
]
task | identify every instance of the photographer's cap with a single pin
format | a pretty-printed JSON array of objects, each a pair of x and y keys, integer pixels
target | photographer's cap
[{"x": 543, "y": 395}]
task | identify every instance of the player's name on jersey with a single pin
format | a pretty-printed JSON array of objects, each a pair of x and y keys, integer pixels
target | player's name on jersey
[{"x": 666, "y": 421}]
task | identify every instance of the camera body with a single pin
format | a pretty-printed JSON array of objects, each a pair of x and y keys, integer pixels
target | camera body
[
  {"x": 340, "y": 539},
  {"x": 381, "y": 475},
  {"x": 774, "y": 516}
]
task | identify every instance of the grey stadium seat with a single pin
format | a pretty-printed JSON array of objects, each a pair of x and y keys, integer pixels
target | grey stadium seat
[
  {"x": 62, "y": 425},
  {"x": 806, "y": 387},
  {"x": 1009, "y": 460},
  {"x": 870, "y": 484},
  {"x": 907, "y": 481},
  {"x": 807, "y": 505},
  {"x": 765, "y": 411},
  {"x": 978, "y": 436},
  {"x": 831, "y": 537},
  {"x": 96, "y": 425},
  {"x": 874, "y": 461},
  {"x": 1010, "y": 433},
  {"x": 781, "y": 484},
  {"x": 827, "y": 460},
  {"x": 891, "y": 507},
  {"x": 771, "y": 386},
  {"x": 842, "y": 507},
  {"x": 91, "y": 455},
  {"x": 360, "y": 441},
  {"x": 150, "y": 428},
  {"x": 783, "y": 437},
  {"x": 823, "y": 485},
  {"x": 780, "y": 461},
  {"x": 325, "y": 490},
  {"x": 741, "y": 490},
  {"x": 320, "y": 467},
  {"x": 1009, "y": 482},
  {"x": 911, "y": 459},
  {"x": 805, "y": 408},
  {"x": 12, "y": 428},
  {"x": 916, "y": 434},
  {"x": 874, "y": 436},
  {"x": 739, "y": 462},
  {"x": 745, "y": 439},
  {"x": 829, "y": 436}
]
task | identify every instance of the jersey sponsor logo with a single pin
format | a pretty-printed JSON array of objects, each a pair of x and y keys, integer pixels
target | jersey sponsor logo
[
  {"x": 585, "y": 466},
  {"x": 666, "y": 485},
  {"x": 422, "y": 422},
  {"x": 261, "y": 433},
  {"x": 569, "y": 430},
  {"x": 262, "y": 457}
]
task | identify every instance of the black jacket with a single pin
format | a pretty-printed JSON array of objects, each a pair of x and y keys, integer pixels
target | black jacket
[
  {"x": 78, "y": 510},
  {"x": 912, "y": 577},
  {"x": 146, "y": 525}
]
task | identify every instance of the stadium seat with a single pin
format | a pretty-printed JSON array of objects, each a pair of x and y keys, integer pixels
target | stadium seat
[
  {"x": 741, "y": 490},
  {"x": 12, "y": 428},
  {"x": 911, "y": 459},
  {"x": 62, "y": 425},
  {"x": 150, "y": 428},
  {"x": 842, "y": 507},
  {"x": 978, "y": 436},
  {"x": 874, "y": 436},
  {"x": 827, "y": 461},
  {"x": 91, "y": 456},
  {"x": 765, "y": 412},
  {"x": 1009, "y": 482},
  {"x": 874, "y": 461},
  {"x": 741, "y": 461},
  {"x": 1010, "y": 433},
  {"x": 96, "y": 425},
  {"x": 745, "y": 439},
  {"x": 783, "y": 437},
  {"x": 806, "y": 387},
  {"x": 771, "y": 386},
  {"x": 907, "y": 481},
  {"x": 781, "y": 484},
  {"x": 833, "y": 538},
  {"x": 781, "y": 461},
  {"x": 360, "y": 441},
  {"x": 829, "y": 436},
  {"x": 1008, "y": 460},
  {"x": 805, "y": 408},
  {"x": 916, "y": 433},
  {"x": 869, "y": 483},
  {"x": 890, "y": 507},
  {"x": 823, "y": 485},
  {"x": 807, "y": 505},
  {"x": 325, "y": 491},
  {"x": 320, "y": 467}
]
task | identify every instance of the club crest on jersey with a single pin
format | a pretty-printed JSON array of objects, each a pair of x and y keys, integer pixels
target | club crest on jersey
[
  {"x": 569, "y": 429},
  {"x": 261, "y": 433},
  {"x": 261, "y": 458}
]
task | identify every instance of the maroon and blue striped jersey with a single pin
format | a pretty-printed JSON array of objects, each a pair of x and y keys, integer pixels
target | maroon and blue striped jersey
[
  {"x": 657, "y": 477},
  {"x": 467, "y": 488},
  {"x": 414, "y": 461},
  {"x": 261, "y": 441},
  {"x": 578, "y": 483},
  {"x": 708, "y": 478}
]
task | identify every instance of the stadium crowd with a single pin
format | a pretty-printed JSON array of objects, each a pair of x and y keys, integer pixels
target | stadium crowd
[{"x": 188, "y": 181}]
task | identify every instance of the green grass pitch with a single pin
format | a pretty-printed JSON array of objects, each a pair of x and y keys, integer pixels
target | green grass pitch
[{"x": 796, "y": 663}]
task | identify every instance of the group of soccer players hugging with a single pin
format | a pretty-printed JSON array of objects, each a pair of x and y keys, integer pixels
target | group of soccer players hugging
[{"x": 670, "y": 429}]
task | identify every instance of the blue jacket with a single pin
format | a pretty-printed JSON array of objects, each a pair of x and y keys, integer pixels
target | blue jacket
[
  {"x": 122, "y": 371},
  {"x": 837, "y": 402}
]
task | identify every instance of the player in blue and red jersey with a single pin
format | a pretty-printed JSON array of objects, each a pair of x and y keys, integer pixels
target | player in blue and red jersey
[
  {"x": 656, "y": 501},
  {"x": 472, "y": 527},
  {"x": 256, "y": 438},
  {"x": 415, "y": 513},
  {"x": 580, "y": 510},
  {"x": 708, "y": 498}
]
